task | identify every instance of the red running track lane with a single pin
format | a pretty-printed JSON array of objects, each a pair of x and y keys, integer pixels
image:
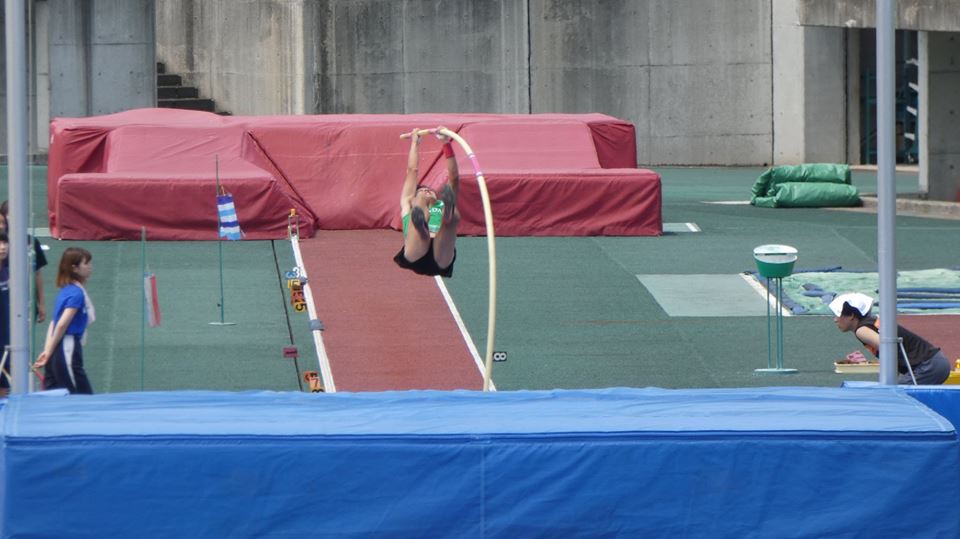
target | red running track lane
[
  {"x": 941, "y": 330},
  {"x": 385, "y": 328}
]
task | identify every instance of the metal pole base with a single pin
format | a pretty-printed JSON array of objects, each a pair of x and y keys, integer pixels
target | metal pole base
[
  {"x": 222, "y": 323},
  {"x": 781, "y": 370}
]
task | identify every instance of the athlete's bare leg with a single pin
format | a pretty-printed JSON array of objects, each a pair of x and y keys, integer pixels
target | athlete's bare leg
[{"x": 416, "y": 243}]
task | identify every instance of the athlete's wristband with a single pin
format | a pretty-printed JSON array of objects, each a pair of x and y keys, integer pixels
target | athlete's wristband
[{"x": 447, "y": 150}]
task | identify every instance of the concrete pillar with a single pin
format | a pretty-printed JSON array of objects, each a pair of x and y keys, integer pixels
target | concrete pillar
[
  {"x": 788, "y": 84},
  {"x": 809, "y": 90},
  {"x": 853, "y": 38},
  {"x": 40, "y": 85},
  {"x": 824, "y": 97},
  {"x": 943, "y": 120},
  {"x": 102, "y": 56},
  {"x": 923, "y": 111}
]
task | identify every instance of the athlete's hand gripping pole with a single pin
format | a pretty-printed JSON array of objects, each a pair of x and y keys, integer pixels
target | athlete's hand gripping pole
[{"x": 420, "y": 132}]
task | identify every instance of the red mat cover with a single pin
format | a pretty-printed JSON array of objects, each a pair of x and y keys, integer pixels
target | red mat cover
[
  {"x": 551, "y": 174},
  {"x": 548, "y": 182}
]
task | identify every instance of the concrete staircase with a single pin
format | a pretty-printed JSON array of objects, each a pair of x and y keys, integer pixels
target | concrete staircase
[{"x": 172, "y": 94}]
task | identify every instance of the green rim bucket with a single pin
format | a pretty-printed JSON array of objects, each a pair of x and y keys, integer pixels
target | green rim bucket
[{"x": 775, "y": 260}]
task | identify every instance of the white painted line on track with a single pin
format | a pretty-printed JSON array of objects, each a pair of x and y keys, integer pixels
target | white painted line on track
[
  {"x": 681, "y": 227},
  {"x": 727, "y": 202},
  {"x": 463, "y": 328},
  {"x": 325, "y": 373},
  {"x": 763, "y": 293}
]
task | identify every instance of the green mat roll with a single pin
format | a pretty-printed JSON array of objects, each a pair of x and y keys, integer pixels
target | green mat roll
[{"x": 805, "y": 186}]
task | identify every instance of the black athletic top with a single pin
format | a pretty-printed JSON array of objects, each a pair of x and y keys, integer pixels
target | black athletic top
[{"x": 918, "y": 349}]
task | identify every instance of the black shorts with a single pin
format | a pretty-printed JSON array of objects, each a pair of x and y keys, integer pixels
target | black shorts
[{"x": 426, "y": 264}]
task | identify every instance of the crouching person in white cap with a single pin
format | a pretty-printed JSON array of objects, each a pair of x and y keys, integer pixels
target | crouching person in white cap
[{"x": 929, "y": 365}]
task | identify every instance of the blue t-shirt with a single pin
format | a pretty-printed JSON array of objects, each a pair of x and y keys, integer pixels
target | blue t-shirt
[{"x": 71, "y": 296}]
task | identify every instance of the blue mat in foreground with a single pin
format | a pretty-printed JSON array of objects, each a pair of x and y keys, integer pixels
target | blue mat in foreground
[
  {"x": 943, "y": 399},
  {"x": 762, "y": 462}
]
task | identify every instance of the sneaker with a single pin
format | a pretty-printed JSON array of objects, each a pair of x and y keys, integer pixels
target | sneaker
[
  {"x": 449, "y": 201},
  {"x": 419, "y": 221}
]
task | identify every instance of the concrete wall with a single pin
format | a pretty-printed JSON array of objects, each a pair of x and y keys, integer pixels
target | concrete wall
[
  {"x": 251, "y": 57},
  {"x": 101, "y": 55},
  {"x": 942, "y": 115},
  {"x": 693, "y": 76},
  {"x": 809, "y": 90},
  {"x": 38, "y": 84},
  {"x": 933, "y": 15},
  {"x": 592, "y": 57},
  {"x": 86, "y": 57},
  {"x": 382, "y": 56},
  {"x": 710, "y": 73}
]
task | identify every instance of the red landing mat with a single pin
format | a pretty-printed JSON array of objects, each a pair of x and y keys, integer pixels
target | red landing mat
[
  {"x": 549, "y": 174},
  {"x": 385, "y": 328}
]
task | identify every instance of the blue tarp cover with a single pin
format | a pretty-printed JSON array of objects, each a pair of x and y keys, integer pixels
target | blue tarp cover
[{"x": 633, "y": 462}]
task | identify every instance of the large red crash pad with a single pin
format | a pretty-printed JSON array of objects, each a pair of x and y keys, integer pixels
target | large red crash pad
[
  {"x": 547, "y": 174},
  {"x": 549, "y": 182}
]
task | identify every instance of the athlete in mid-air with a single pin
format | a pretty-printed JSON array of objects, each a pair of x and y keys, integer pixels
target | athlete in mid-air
[{"x": 429, "y": 220}]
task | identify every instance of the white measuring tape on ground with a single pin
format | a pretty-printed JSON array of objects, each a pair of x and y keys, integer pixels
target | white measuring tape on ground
[{"x": 325, "y": 373}]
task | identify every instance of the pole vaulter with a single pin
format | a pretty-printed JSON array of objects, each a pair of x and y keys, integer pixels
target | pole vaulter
[{"x": 488, "y": 218}]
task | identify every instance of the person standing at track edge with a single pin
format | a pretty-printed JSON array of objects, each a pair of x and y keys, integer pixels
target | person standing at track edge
[
  {"x": 429, "y": 222},
  {"x": 62, "y": 356},
  {"x": 39, "y": 262}
]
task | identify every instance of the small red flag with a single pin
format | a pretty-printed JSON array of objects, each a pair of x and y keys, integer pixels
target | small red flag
[{"x": 152, "y": 299}]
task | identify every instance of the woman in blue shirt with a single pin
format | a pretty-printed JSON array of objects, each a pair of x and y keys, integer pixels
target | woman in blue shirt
[{"x": 62, "y": 356}]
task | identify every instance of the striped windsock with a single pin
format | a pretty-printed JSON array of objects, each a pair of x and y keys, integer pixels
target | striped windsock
[{"x": 229, "y": 224}]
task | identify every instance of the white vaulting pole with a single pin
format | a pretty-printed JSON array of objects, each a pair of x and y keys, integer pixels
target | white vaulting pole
[
  {"x": 886, "y": 192},
  {"x": 491, "y": 255},
  {"x": 491, "y": 249},
  {"x": 16, "y": 26}
]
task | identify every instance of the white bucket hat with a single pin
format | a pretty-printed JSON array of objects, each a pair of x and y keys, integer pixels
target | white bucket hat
[{"x": 858, "y": 301}]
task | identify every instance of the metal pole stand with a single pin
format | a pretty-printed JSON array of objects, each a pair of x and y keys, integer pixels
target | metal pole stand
[{"x": 779, "y": 369}]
